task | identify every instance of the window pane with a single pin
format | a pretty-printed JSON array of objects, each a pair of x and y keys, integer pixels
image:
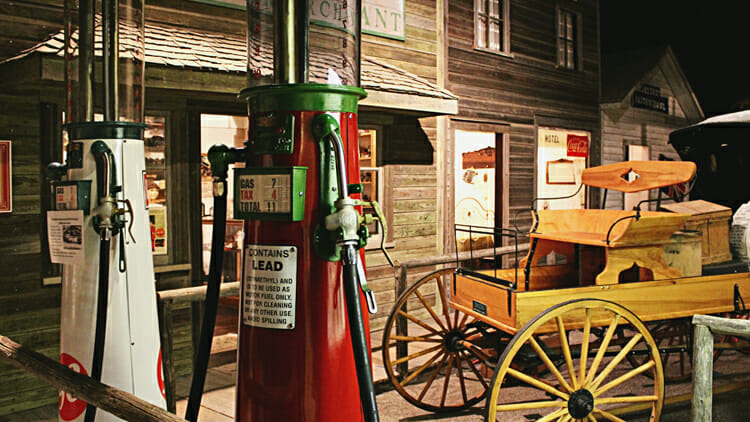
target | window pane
[
  {"x": 495, "y": 36},
  {"x": 494, "y": 8},
  {"x": 569, "y": 28},
  {"x": 482, "y": 32},
  {"x": 371, "y": 177}
]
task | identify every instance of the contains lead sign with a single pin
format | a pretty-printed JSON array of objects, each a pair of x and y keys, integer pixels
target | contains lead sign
[{"x": 269, "y": 287}]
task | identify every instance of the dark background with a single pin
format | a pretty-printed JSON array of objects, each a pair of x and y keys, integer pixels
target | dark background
[{"x": 710, "y": 39}]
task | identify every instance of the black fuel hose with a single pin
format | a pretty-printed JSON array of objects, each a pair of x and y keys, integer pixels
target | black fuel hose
[
  {"x": 358, "y": 334},
  {"x": 200, "y": 366},
  {"x": 101, "y": 320}
]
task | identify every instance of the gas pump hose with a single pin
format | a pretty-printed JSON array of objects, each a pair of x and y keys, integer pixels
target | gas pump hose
[
  {"x": 106, "y": 187},
  {"x": 220, "y": 157},
  {"x": 359, "y": 336},
  {"x": 200, "y": 367},
  {"x": 101, "y": 320}
]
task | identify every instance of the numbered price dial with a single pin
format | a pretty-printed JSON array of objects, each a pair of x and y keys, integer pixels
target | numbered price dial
[{"x": 270, "y": 193}]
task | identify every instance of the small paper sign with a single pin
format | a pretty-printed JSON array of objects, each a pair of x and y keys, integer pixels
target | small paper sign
[{"x": 65, "y": 236}]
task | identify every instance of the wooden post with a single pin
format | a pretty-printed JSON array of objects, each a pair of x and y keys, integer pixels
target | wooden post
[
  {"x": 167, "y": 352},
  {"x": 401, "y": 326},
  {"x": 703, "y": 352},
  {"x": 109, "y": 399}
]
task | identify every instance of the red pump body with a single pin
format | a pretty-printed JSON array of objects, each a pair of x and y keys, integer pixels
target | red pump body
[{"x": 307, "y": 373}]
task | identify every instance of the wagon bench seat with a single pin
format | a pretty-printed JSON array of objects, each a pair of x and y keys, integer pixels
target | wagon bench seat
[
  {"x": 590, "y": 227},
  {"x": 632, "y": 241}
]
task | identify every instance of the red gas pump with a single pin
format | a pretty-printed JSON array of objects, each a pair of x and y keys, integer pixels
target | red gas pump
[{"x": 303, "y": 352}]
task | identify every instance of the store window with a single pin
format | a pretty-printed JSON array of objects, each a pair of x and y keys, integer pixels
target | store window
[
  {"x": 156, "y": 182},
  {"x": 230, "y": 131},
  {"x": 491, "y": 25},
  {"x": 567, "y": 39},
  {"x": 371, "y": 178}
]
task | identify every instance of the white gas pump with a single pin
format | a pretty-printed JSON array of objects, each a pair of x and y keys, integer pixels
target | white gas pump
[{"x": 109, "y": 325}]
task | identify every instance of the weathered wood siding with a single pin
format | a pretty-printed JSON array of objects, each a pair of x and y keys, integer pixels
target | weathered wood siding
[
  {"x": 29, "y": 312},
  {"x": 411, "y": 190},
  {"x": 417, "y": 53},
  {"x": 525, "y": 88},
  {"x": 623, "y": 125}
]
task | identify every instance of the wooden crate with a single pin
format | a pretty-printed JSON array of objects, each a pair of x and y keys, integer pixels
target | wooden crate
[
  {"x": 684, "y": 253},
  {"x": 713, "y": 221}
]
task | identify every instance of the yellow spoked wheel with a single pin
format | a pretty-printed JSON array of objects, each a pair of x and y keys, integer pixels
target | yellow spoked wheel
[
  {"x": 438, "y": 358},
  {"x": 584, "y": 377}
]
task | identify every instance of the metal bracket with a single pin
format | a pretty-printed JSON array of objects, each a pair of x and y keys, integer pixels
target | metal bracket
[{"x": 738, "y": 300}]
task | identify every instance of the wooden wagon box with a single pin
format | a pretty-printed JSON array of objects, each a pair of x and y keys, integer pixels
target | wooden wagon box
[{"x": 713, "y": 221}]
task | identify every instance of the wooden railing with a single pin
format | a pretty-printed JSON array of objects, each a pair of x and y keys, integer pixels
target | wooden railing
[
  {"x": 117, "y": 402},
  {"x": 703, "y": 359},
  {"x": 166, "y": 300}
]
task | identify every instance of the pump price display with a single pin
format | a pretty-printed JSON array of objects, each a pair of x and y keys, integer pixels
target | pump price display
[
  {"x": 270, "y": 193},
  {"x": 269, "y": 287},
  {"x": 264, "y": 193}
]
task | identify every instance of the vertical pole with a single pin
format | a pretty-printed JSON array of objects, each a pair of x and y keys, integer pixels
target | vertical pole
[
  {"x": 85, "y": 61},
  {"x": 164, "y": 308},
  {"x": 290, "y": 41},
  {"x": 110, "y": 54},
  {"x": 703, "y": 352},
  {"x": 401, "y": 327}
]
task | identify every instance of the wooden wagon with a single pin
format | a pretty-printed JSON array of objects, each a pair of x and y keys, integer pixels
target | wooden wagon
[{"x": 566, "y": 333}]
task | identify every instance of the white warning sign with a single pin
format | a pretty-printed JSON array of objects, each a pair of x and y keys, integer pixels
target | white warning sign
[{"x": 269, "y": 286}]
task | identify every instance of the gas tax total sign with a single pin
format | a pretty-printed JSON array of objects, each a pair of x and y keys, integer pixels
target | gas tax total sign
[{"x": 269, "y": 286}]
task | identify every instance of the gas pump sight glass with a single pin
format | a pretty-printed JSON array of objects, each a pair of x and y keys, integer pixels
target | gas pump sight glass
[{"x": 332, "y": 52}]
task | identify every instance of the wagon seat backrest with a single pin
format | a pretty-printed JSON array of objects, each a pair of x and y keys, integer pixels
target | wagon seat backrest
[{"x": 649, "y": 175}]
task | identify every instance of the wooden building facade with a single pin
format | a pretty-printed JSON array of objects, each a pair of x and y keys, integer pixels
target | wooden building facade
[
  {"x": 526, "y": 72},
  {"x": 643, "y": 100},
  {"x": 527, "y": 75},
  {"x": 185, "y": 98}
]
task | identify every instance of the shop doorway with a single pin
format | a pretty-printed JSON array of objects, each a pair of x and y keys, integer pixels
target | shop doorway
[
  {"x": 229, "y": 130},
  {"x": 478, "y": 181}
]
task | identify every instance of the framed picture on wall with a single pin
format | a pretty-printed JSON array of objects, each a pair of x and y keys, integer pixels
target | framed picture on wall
[
  {"x": 561, "y": 172},
  {"x": 6, "y": 188}
]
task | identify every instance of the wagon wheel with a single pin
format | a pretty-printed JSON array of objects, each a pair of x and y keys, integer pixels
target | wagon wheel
[
  {"x": 439, "y": 360},
  {"x": 674, "y": 339},
  {"x": 590, "y": 384}
]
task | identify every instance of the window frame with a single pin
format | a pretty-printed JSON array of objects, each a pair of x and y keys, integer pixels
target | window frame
[
  {"x": 383, "y": 197},
  {"x": 503, "y": 19},
  {"x": 576, "y": 41}
]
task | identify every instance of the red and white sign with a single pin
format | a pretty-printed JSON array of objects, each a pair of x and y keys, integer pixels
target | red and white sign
[
  {"x": 6, "y": 189},
  {"x": 160, "y": 376},
  {"x": 69, "y": 406},
  {"x": 578, "y": 146}
]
